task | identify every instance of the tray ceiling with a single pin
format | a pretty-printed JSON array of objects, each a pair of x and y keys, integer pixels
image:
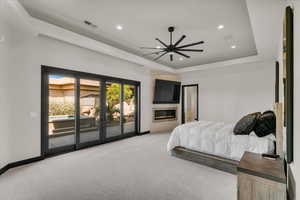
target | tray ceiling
[{"x": 143, "y": 21}]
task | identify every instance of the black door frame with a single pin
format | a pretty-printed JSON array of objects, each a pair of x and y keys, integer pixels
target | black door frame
[
  {"x": 289, "y": 93},
  {"x": 45, "y": 71},
  {"x": 182, "y": 102}
]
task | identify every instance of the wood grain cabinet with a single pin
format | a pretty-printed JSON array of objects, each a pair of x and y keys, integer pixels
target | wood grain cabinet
[{"x": 260, "y": 178}]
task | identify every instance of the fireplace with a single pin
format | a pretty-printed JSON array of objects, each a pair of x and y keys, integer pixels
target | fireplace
[{"x": 164, "y": 114}]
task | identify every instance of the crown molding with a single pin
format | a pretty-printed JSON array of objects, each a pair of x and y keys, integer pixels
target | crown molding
[
  {"x": 243, "y": 60},
  {"x": 21, "y": 14}
]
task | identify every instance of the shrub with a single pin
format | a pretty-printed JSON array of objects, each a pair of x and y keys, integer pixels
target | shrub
[{"x": 61, "y": 108}]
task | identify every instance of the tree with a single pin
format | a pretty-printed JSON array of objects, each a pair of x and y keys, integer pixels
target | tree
[{"x": 113, "y": 92}]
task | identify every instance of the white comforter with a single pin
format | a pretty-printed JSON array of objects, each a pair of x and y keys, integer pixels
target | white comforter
[{"x": 217, "y": 138}]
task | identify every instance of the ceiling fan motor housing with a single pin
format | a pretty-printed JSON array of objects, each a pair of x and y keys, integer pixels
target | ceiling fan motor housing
[{"x": 171, "y": 29}]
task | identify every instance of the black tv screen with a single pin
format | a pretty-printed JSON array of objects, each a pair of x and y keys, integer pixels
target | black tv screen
[{"x": 166, "y": 92}]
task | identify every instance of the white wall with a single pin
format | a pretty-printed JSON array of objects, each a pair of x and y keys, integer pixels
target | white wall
[
  {"x": 226, "y": 94},
  {"x": 4, "y": 109},
  {"x": 21, "y": 84}
]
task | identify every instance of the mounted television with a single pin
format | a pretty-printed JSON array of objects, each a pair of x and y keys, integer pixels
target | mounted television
[{"x": 166, "y": 92}]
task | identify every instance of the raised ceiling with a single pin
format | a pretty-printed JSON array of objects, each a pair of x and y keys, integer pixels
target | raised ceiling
[{"x": 144, "y": 20}]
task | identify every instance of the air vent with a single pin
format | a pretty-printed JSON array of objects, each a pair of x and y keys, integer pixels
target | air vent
[{"x": 90, "y": 24}]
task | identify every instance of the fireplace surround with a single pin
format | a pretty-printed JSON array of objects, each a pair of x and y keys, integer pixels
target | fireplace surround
[{"x": 164, "y": 114}]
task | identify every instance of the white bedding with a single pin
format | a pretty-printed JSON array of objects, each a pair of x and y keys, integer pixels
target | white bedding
[{"x": 217, "y": 138}]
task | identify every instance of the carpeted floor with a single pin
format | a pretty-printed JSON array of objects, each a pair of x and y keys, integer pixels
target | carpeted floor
[{"x": 137, "y": 168}]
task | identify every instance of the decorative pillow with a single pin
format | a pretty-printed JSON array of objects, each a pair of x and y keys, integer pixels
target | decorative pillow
[
  {"x": 245, "y": 125},
  {"x": 266, "y": 124}
]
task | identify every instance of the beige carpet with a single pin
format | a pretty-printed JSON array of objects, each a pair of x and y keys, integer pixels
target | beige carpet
[{"x": 137, "y": 168}]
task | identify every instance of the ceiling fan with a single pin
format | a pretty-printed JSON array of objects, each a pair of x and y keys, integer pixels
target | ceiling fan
[{"x": 171, "y": 49}]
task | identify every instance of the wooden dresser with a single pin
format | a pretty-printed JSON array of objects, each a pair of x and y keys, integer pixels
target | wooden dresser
[{"x": 260, "y": 178}]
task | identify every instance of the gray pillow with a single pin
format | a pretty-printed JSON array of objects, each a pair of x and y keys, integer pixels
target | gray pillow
[{"x": 245, "y": 125}]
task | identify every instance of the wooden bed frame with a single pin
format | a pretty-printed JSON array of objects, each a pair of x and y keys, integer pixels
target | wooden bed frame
[
  {"x": 226, "y": 164},
  {"x": 209, "y": 160}
]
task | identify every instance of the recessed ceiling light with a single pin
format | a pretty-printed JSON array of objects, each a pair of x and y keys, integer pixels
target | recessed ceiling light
[
  {"x": 158, "y": 47},
  {"x": 119, "y": 27},
  {"x": 221, "y": 26},
  {"x": 233, "y": 46},
  {"x": 181, "y": 58}
]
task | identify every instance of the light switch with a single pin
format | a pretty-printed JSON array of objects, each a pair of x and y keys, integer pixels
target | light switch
[{"x": 33, "y": 115}]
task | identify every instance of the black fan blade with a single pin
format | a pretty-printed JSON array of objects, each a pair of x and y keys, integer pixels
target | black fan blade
[
  {"x": 194, "y": 50},
  {"x": 171, "y": 57},
  {"x": 161, "y": 42},
  {"x": 182, "y": 37},
  {"x": 157, "y": 52},
  {"x": 149, "y": 48},
  {"x": 192, "y": 44},
  {"x": 182, "y": 54},
  {"x": 160, "y": 56}
]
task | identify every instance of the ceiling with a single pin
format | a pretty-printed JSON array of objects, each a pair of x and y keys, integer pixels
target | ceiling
[{"x": 144, "y": 20}]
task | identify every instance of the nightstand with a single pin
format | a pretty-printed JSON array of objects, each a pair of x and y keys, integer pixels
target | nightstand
[{"x": 260, "y": 178}]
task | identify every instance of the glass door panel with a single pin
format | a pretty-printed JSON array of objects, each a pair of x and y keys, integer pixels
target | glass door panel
[
  {"x": 113, "y": 109},
  {"x": 129, "y": 108},
  {"x": 61, "y": 111},
  {"x": 89, "y": 105}
]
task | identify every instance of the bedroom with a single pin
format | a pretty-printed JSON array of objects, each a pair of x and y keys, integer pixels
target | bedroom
[{"x": 235, "y": 74}]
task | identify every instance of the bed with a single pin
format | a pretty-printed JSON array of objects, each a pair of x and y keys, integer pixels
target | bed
[{"x": 214, "y": 144}]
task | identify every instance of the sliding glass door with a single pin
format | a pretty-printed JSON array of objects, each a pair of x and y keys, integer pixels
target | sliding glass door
[
  {"x": 61, "y": 111},
  {"x": 120, "y": 110},
  {"x": 113, "y": 109},
  {"x": 81, "y": 109},
  {"x": 89, "y": 108},
  {"x": 129, "y": 108}
]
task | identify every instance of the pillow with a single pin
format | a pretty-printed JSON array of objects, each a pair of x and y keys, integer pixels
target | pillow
[
  {"x": 266, "y": 124},
  {"x": 269, "y": 137},
  {"x": 245, "y": 125}
]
